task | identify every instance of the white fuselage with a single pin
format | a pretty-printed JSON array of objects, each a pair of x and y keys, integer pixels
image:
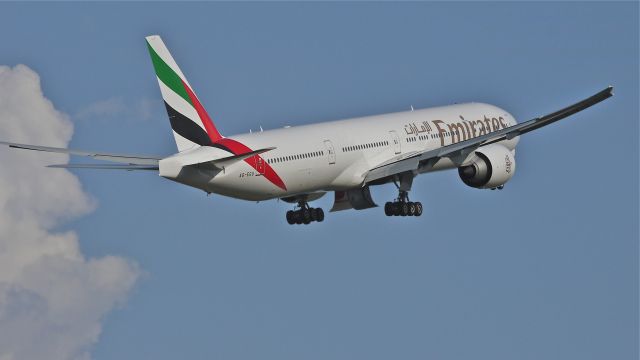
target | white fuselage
[{"x": 337, "y": 155}]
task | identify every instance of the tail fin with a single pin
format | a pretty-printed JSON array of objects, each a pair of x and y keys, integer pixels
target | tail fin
[{"x": 189, "y": 120}]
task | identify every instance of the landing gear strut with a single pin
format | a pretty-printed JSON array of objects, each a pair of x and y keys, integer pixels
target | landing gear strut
[
  {"x": 305, "y": 214},
  {"x": 401, "y": 206}
]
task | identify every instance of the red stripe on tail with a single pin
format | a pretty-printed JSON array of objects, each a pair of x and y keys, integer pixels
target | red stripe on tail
[{"x": 214, "y": 135}]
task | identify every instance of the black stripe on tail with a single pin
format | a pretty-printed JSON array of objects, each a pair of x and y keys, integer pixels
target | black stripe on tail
[{"x": 186, "y": 128}]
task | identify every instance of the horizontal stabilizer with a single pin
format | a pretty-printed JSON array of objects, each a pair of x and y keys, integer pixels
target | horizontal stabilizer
[
  {"x": 231, "y": 159},
  {"x": 119, "y": 158},
  {"x": 105, "y": 166},
  {"x": 203, "y": 157}
]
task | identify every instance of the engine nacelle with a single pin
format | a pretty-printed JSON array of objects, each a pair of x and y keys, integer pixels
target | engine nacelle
[{"x": 492, "y": 166}]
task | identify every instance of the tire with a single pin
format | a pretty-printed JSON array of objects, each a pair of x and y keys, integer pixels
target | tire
[
  {"x": 306, "y": 216},
  {"x": 313, "y": 213},
  {"x": 291, "y": 217},
  {"x": 412, "y": 209},
  {"x": 418, "y": 208},
  {"x": 319, "y": 215},
  {"x": 388, "y": 209},
  {"x": 298, "y": 217},
  {"x": 397, "y": 209},
  {"x": 404, "y": 209}
]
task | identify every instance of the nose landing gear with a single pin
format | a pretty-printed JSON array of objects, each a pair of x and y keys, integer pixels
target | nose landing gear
[
  {"x": 402, "y": 206},
  {"x": 305, "y": 214}
]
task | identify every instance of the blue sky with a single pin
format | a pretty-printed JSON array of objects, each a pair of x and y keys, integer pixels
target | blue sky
[{"x": 546, "y": 268}]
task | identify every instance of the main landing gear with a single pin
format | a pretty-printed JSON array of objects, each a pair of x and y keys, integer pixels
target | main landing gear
[
  {"x": 305, "y": 214},
  {"x": 402, "y": 206}
]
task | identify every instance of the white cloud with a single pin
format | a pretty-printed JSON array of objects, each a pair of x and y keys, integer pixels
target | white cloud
[
  {"x": 141, "y": 109},
  {"x": 52, "y": 298},
  {"x": 108, "y": 107},
  {"x": 145, "y": 108}
]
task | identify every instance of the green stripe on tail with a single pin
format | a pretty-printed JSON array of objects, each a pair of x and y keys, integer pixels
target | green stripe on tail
[{"x": 167, "y": 75}]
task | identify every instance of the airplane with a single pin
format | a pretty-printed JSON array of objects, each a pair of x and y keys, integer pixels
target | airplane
[{"x": 300, "y": 164}]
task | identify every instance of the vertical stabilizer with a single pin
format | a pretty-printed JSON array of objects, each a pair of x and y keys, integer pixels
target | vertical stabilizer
[{"x": 189, "y": 120}]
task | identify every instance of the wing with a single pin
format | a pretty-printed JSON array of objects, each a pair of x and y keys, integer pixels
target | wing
[
  {"x": 410, "y": 162},
  {"x": 132, "y": 162}
]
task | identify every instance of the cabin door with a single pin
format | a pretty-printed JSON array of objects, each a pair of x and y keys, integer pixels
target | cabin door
[
  {"x": 331, "y": 153},
  {"x": 395, "y": 141}
]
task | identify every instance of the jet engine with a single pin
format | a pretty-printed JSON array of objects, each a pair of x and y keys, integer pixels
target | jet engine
[{"x": 492, "y": 166}]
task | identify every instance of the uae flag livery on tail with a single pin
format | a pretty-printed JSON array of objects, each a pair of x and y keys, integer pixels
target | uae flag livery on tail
[{"x": 189, "y": 120}]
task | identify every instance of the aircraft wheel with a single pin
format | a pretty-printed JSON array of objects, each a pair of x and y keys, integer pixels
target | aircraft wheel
[
  {"x": 291, "y": 217},
  {"x": 298, "y": 217},
  {"x": 397, "y": 209},
  {"x": 312, "y": 214},
  {"x": 404, "y": 209},
  {"x": 418, "y": 208},
  {"x": 412, "y": 209},
  {"x": 319, "y": 215},
  {"x": 306, "y": 216},
  {"x": 388, "y": 209}
]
